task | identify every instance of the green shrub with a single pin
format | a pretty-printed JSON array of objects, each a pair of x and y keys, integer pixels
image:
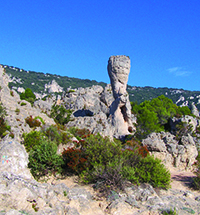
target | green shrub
[
  {"x": 80, "y": 133},
  {"x": 4, "y": 127},
  {"x": 17, "y": 111},
  {"x": 60, "y": 114},
  {"x": 23, "y": 104},
  {"x": 28, "y": 95},
  {"x": 40, "y": 118},
  {"x": 151, "y": 170},
  {"x": 44, "y": 160},
  {"x": 153, "y": 116},
  {"x": 53, "y": 133},
  {"x": 196, "y": 180},
  {"x": 110, "y": 166},
  {"x": 33, "y": 139},
  {"x": 11, "y": 93}
]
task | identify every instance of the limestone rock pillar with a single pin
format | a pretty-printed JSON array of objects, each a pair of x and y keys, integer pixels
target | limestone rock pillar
[{"x": 120, "y": 110}]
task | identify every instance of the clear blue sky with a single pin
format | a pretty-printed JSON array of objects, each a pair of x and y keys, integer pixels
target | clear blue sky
[{"x": 76, "y": 39}]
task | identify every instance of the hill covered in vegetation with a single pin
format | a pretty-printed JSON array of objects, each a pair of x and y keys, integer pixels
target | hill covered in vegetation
[{"x": 38, "y": 82}]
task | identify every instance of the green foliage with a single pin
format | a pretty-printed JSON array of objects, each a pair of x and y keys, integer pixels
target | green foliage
[
  {"x": 169, "y": 212},
  {"x": 80, "y": 133},
  {"x": 2, "y": 111},
  {"x": 28, "y": 95},
  {"x": 33, "y": 139},
  {"x": 54, "y": 134},
  {"x": 153, "y": 116},
  {"x": 182, "y": 111},
  {"x": 23, "y": 104},
  {"x": 44, "y": 160},
  {"x": 11, "y": 93},
  {"x": 40, "y": 118},
  {"x": 17, "y": 111},
  {"x": 151, "y": 170},
  {"x": 3, "y": 125},
  {"x": 60, "y": 114},
  {"x": 111, "y": 166}
]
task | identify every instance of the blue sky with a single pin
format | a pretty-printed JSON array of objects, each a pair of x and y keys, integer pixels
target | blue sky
[{"x": 76, "y": 39}]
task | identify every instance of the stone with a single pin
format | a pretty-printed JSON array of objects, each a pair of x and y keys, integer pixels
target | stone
[
  {"x": 154, "y": 143},
  {"x": 194, "y": 110},
  {"x": 180, "y": 154},
  {"x": 120, "y": 110},
  {"x": 14, "y": 158}
]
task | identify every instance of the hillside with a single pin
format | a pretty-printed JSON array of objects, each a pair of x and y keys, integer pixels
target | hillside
[{"x": 44, "y": 84}]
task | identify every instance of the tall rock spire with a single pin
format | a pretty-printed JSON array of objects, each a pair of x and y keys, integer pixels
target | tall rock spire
[{"x": 120, "y": 110}]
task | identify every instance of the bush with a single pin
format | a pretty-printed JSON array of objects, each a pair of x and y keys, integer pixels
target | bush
[
  {"x": 17, "y": 111},
  {"x": 33, "y": 139},
  {"x": 23, "y": 104},
  {"x": 32, "y": 122},
  {"x": 151, "y": 170},
  {"x": 74, "y": 159},
  {"x": 53, "y": 133},
  {"x": 28, "y": 95},
  {"x": 60, "y": 114},
  {"x": 44, "y": 160},
  {"x": 110, "y": 166},
  {"x": 3, "y": 125}
]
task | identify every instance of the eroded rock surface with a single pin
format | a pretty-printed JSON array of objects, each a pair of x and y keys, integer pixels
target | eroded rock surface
[
  {"x": 173, "y": 153},
  {"x": 120, "y": 109}
]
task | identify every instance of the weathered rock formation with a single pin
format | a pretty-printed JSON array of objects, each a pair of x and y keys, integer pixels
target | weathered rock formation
[
  {"x": 16, "y": 112},
  {"x": 173, "y": 153},
  {"x": 120, "y": 110}
]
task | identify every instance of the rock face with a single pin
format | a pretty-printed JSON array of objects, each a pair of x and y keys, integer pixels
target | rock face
[
  {"x": 194, "y": 110},
  {"x": 90, "y": 109},
  {"x": 180, "y": 154},
  {"x": 14, "y": 158},
  {"x": 120, "y": 110}
]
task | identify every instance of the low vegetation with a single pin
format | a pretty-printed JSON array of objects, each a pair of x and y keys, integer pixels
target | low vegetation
[
  {"x": 60, "y": 114},
  {"x": 28, "y": 95},
  {"x": 4, "y": 127},
  {"x": 95, "y": 159}
]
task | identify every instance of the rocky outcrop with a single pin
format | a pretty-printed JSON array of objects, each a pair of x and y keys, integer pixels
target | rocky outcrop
[
  {"x": 18, "y": 110},
  {"x": 194, "y": 110},
  {"x": 53, "y": 87},
  {"x": 90, "y": 109},
  {"x": 173, "y": 153},
  {"x": 120, "y": 109},
  {"x": 187, "y": 120},
  {"x": 14, "y": 158}
]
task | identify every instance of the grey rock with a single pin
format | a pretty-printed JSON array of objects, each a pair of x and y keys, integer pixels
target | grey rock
[
  {"x": 180, "y": 154},
  {"x": 120, "y": 110},
  {"x": 14, "y": 158},
  {"x": 194, "y": 110},
  {"x": 154, "y": 143},
  {"x": 189, "y": 120}
]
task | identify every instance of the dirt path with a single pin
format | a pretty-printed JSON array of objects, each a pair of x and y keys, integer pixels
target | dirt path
[{"x": 182, "y": 180}]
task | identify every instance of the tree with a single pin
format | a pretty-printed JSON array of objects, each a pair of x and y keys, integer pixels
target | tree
[{"x": 28, "y": 95}]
